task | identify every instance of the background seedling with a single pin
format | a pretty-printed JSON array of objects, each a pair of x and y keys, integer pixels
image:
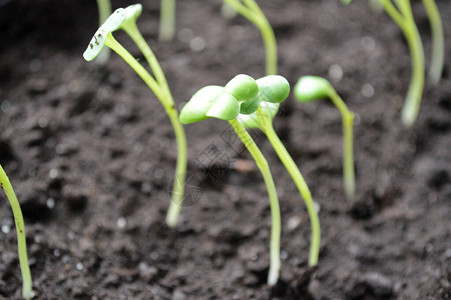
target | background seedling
[
  {"x": 438, "y": 42},
  {"x": 104, "y": 7},
  {"x": 125, "y": 19},
  {"x": 21, "y": 238},
  {"x": 167, "y": 20},
  {"x": 225, "y": 103},
  {"x": 251, "y": 11},
  {"x": 310, "y": 88}
]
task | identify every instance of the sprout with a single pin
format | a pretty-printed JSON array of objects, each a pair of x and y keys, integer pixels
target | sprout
[
  {"x": 167, "y": 20},
  {"x": 21, "y": 238},
  {"x": 310, "y": 88},
  {"x": 104, "y": 7},
  {"x": 125, "y": 19},
  {"x": 224, "y": 103}
]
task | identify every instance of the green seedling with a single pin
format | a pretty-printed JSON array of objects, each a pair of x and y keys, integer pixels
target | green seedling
[
  {"x": 251, "y": 11},
  {"x": 167, "y": 20},
  {"x": 104, "y": 7},
  {"x": 438, "y": 42},
  {"x": 226, "y": 103},
  {"x": 310, "y": 88},
  {"x": 401, "y": 12},
  {"x": 21, "y": 238},
  {"x": 125, "y": 19},
  {"x": 274, "y": 89}
]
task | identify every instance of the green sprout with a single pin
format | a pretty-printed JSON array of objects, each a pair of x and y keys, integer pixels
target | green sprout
[
  {"x": 438, "y": 42},
  {"x": 228, "y": 103},
  {"x": 401, "y": 12},
  {"x": 167, "y": 20},
  {"x": 310, "y": 88},
  {"x": 104, "y": 7},
  {"x": 251, "y": 11},
  {"x": 21, "y": 238},
  {"x": 125, "y": 19}
]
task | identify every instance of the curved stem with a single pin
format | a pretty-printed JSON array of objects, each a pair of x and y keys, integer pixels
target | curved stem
[
  {"x": 262, "y": 164},
  {"x": 391, "y": 10},
  {"x": 167, "y": 20},
  {"x": 412, "y": 103},
  {"x": 438, "y": 41},
  {"x": 298, "y": 179},
  {"x": 254, "y": 14},
  {"x": 166, "y": 100},
  {"x": 348, "y": 155},
  {"x": 21, "y": 238}
]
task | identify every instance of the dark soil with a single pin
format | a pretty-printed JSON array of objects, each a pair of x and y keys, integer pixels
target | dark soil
[{"x": 91, "y": 156}]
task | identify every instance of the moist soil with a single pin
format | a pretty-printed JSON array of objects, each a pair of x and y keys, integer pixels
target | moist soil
[{"x": 91, "y": 156}]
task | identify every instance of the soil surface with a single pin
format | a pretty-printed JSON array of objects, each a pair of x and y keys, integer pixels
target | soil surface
[{"x": 91, "y": 156}]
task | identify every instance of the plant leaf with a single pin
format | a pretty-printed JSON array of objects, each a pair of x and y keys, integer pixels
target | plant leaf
[
  {"x": 196, "y": 108},
  {"x": 242, "y": 87},
  {"x": 309, "y": 88},
  {"x": 98, "y": 40},
  {"x": 132, "y": 14},
  {"x": 226, "y": 107},
  {"x": 273, "y": 88}
]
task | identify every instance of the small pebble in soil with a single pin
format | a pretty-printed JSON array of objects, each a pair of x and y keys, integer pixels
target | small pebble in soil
[
  {"x": 367, "y": 90},
  {"x": 6, "y": 228},
  {"x": 368, "y": 43},
  {"x": 147, "y": 272},
  {"x": 50, "y": 203},
  {"x": 335, "y": 73},
  {"x": 178, "y": 295},
  {"x": 293, "y": 223},
  {"x": 5, "y": 106},
  {"x": 197, "y": 44},
  {"x": 121, "y": 222},
  {"x": 53, "y": 173},
  {"x": 185, "y": 35},
  {"x": 56, "y": 253},
  {"x": 35, "y": 65},
  {"x": 79, "y": 266}
]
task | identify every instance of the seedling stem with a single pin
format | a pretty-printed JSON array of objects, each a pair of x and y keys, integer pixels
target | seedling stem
[
  {"x": 263, "y": 166},
  {"x": 298, "y": 179},
  {"x": 167, "y": 20},
  {"x": 21, "y": 238}
]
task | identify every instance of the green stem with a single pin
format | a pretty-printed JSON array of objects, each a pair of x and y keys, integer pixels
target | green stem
[
  {"x": 298, "y": 179},
  {"x": 262, "y": 164},
  {"x": 412, "y": 103},
  {"x": 167, "y": 20},
  {"x": 166, "y": 100},
  {"x": 20, "y": 228},
  {"x": 104, "y": 7},
  {"x": 438, "y": 42},
  {"x": 253, "y": 13},
  {"x": 348, "y": 156}
]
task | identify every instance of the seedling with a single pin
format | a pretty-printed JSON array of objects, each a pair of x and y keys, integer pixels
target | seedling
[
  {"x": 125, "y": 19},
  {"x": 21, "y": 238},
  {"x": 310, "y": 88},
  {"x": 401, "y": 12},
  {"x": 438, "y": 42},
  {"x": 226, "y": 103},
  {"x": 251, "y": 11},
  {"x": 167, "y": 20},
  {"x": 104, "y": 7}
]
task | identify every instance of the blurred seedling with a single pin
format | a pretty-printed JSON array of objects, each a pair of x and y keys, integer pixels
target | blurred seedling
[
  {"x": 241, "y": 95},
  {"x": 167, "y": 20},
  {"x": 125, "y": 19},
  {"x": 251, "y": 11},
  {"x": 104, "y": 7},
  {"x": 401, "y": 12},
  {"x": 21, "y": 238},
  {"x": 311, "y": 88}
]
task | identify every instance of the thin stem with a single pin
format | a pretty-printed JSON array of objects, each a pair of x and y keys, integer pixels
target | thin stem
[
  {"x": 348, "y": 156},
  {"x": 104, "y": 7},
  {"x": 166, "y": 100},
  {"x": 438, "y": 42},
  {"x": 412, "y": 103},
  {"x": 21, "y": 238},
  {"x": 393, "y": 12},
  {"x": 133, "y": 31},
  {"x": 254, "y": 14},
  {"x": 167, "y": 20},
  {"x": 262, "y": 164},
  {"x": 298, "y": 179}
]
